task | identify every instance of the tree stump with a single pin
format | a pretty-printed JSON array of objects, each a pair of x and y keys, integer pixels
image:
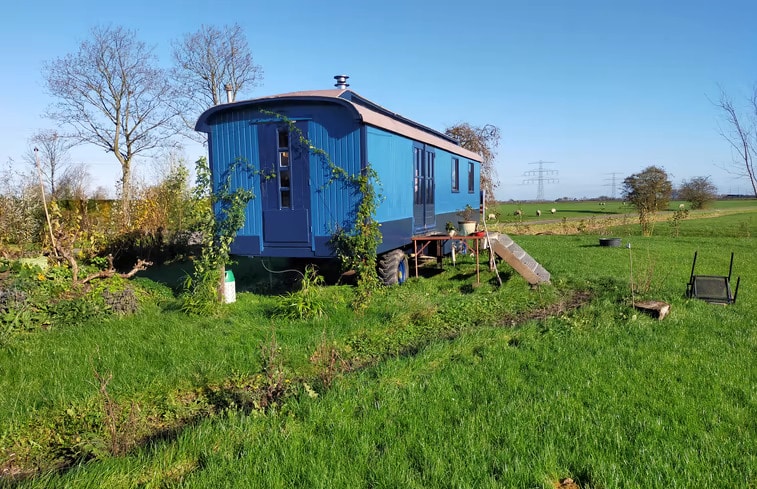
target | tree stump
[{"x": 656, "y": 309}]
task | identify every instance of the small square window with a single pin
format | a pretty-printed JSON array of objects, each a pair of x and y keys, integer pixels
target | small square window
[
  {"x": 284, "y": 175},
  {"x": 283, "y": 139}
]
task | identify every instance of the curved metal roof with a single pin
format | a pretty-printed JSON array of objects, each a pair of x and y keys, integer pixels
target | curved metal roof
[{"x": 369, "y": 112}]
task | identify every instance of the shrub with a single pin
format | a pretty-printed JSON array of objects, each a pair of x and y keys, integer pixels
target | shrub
[
  {"x": 121, "y": 302},
  {"x": 307, "y": 302},
  {"x": 699, "y": 191},
  {"x": 649, "y": 191}
]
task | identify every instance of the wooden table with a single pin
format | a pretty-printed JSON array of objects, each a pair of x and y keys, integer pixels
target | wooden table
[{"x": 420, "y": 243}]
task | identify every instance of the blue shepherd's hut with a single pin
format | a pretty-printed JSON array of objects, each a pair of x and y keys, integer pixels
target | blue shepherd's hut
[{"x": 424, "y": 176}]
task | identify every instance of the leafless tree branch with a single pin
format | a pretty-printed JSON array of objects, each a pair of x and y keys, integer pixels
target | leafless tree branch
[
  {"x": 741, "y": 135},
  {"x": 206, "y": 61},
  {"x": 112, "y": 95},
  {"x": 484, "y": 141}
]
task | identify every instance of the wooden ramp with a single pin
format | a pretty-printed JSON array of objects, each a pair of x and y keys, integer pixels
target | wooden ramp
[{"x": 516, "y": 257}]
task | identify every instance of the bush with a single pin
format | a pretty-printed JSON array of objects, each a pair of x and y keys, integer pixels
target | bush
[
  {"x": 121, "y": 302},
  {"x": 307, "y": 302},
  {"x": 698, "y": 191}
]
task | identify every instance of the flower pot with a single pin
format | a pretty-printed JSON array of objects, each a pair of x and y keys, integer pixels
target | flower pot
[{"x": 467, "y": 227}]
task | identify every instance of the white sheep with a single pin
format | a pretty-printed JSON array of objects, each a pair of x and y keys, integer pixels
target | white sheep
[
  {"x": 492, "y": 217},
  {"x": 518, "y": 212},
  {"x": 538, "y": 212},
  {"x": 553, "y": 210}
]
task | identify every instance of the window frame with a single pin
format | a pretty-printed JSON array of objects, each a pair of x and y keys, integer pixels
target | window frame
[
  {"x": 282, "y": 151},
  {"x": 471, "y": 178},
  {"x": 455, "y": 175}
]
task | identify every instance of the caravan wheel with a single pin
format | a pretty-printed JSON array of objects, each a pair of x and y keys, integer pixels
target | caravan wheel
[{"x": 393, "y": 267}]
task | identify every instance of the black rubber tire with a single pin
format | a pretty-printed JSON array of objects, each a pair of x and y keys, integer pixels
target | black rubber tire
[
  {"x": 393, "y": 267},
  {"x": 403, "y": 269}
]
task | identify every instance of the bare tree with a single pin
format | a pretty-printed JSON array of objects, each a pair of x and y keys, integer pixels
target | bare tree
[
  {"x": 75, "y": 183},
  {"x": 741, "y": 134},
  {"x": 112, "y": 94},
  {"x": 54, "y": 160},
  {"x": 483, "y": 140},
  {"x": 100, "y": 193},
  {"x": 205, "y": 62}
]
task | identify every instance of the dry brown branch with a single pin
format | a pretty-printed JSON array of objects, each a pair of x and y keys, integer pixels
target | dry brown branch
[{"x": 111, "y": 271}]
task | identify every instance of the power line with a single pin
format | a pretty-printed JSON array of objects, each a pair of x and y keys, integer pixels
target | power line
[{"x": 540, "y": 176}]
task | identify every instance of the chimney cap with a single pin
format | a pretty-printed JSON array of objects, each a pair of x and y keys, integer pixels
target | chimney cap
[{"x": 341, "y": 81}]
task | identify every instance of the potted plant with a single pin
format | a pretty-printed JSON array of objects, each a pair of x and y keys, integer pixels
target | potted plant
[
  {"x": 467, "y": 221},
  {"x": 450, "y": 228}
]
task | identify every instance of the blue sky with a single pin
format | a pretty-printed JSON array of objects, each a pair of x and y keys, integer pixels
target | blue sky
[{"x": 597, "y": 87}]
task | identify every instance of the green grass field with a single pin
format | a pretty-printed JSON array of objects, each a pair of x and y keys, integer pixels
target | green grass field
[
  {"x": 455, "y": 384},
  {"x": 505, "y": 212}
]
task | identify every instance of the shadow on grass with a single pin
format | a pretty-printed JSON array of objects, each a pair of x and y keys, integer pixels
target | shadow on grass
[
  {"x": 427, "y": 271},
  {"x": 505, "y": 276},
  {"x": 263, "y": 276}
]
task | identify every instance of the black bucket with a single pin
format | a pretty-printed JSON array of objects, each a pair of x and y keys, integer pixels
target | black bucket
[{"x": 612, "y": 242}]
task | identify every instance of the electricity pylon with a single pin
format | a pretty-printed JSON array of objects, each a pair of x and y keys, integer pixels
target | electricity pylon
[
  {"x": 540, "y": 176},
  {"x": 613, "y": 185}
]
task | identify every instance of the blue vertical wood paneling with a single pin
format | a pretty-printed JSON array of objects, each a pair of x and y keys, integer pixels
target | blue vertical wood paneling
[
  {"x": 391, "y": 156},
  {"x": 234, "y": 138},
  {"x": 348, "y": 144},
  {"x": 335, "y": 131},
  {"x": 446, "y": 200}
]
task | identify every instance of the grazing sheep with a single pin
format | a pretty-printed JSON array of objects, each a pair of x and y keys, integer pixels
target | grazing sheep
[
  {"x": 492, "y": 217},
  {"x": 553, "y": 210},
  {"x": 518, "y": 212},
  {"x": 681, "y": 206},
  {"x": 538, "y": 213}
]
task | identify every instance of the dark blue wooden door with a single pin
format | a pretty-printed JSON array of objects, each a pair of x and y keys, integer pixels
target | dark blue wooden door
[
  {"x": 424, "y": 189},
  {"x": 284, "y": 184}
]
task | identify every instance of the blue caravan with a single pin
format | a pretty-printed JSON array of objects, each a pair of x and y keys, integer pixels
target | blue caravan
[{"x": 425, "y": 177}]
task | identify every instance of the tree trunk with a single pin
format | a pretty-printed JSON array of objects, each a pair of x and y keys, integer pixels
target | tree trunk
[{"x": 126, "y": 194}]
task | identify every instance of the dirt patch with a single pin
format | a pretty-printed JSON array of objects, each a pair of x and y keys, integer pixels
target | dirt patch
[
  {"x": 567, "y": 483},
  {"x": 578, "y": 299}
]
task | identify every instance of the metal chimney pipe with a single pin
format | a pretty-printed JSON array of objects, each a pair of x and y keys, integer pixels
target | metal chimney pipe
[
  {"x": 229, "y": 93},
  {"x": 341, "y": 82}
]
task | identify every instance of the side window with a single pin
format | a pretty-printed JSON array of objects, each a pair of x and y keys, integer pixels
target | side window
[
  {"x": 283, "y": 169},
  {"x": 418, "y": 177},
  {"x": 455, "y": 175},
  {"x": 430, "y": 170},
  {"x": 471, "y": 176}
]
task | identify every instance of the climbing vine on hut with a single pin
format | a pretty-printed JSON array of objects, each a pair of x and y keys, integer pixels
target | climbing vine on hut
[
  {"x": 220, "y": 215},
  {"x": 355, "y": 247}
]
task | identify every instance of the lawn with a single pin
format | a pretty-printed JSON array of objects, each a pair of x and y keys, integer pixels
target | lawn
[
  {"x": 506, "y": 212},
  {"x": 451, "y": 384}
]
